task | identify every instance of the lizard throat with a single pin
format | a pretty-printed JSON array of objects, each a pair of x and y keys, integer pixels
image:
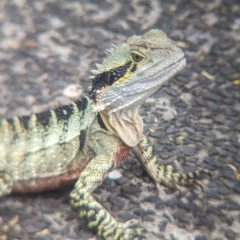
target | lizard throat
[{"x": 127, "y": 125}]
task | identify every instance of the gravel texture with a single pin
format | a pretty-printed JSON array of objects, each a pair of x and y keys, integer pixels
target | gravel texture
[{"x": 47, "y": 48}]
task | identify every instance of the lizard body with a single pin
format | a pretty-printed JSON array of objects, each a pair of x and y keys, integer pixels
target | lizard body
[{"x": 86, "y": 139}]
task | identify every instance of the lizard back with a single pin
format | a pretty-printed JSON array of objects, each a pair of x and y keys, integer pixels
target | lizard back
[{"x": 44, "y": 145}]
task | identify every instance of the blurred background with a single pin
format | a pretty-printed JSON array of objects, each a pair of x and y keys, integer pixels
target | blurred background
[{"x": 47, "y": 49}]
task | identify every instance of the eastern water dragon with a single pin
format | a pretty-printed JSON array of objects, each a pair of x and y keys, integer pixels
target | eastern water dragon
[{"x": 85, "y": 140}]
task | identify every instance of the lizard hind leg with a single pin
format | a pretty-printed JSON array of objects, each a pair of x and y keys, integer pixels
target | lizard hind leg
[{"x": 6, "y": 183}]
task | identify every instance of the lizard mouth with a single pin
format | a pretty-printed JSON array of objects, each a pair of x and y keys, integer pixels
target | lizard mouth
[{"x": 137, "y": 89}]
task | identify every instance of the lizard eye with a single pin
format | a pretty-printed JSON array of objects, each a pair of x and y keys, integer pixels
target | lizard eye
[{"x": 136, "y": 58}]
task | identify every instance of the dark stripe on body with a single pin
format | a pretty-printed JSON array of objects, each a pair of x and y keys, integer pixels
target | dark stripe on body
[
  {"x": 133, "y": 69},
  {"x": 82, "y": 104},
  {"x": 24, "y": 121},
  {"x": 64, "y": 112},
  {"x": 100, "y": 122},
  {"x": 43, "y": 118},
  {"x": 10, "y": 121},
  {"x": 82, "y": 138},
  {"x": 15, "y": 129}
]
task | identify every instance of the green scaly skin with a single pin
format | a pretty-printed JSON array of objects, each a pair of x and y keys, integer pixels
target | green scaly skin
[{"x": 83, "y": 141}]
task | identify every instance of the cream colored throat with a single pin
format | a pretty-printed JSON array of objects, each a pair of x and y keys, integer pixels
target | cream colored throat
[{"x": 127, "y": 125}]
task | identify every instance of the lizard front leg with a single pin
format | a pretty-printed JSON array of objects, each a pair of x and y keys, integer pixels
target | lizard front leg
[
  {"x": 97, "y": 218},
  {"x": 162, "y": 173}
]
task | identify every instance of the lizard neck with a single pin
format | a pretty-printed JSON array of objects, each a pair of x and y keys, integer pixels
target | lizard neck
[{"x": 127, "y": 125}]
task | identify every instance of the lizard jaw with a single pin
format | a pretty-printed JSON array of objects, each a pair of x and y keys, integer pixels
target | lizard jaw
[{"x": 135, "y": 70}]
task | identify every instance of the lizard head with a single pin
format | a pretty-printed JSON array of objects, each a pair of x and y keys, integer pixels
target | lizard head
[{"x": 135, "y": 70}]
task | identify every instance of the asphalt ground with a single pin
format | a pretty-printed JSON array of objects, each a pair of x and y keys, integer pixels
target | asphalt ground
[{"x": 47, "y": 48}]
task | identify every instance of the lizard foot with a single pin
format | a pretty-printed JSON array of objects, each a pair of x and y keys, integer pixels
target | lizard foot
[{"x": 167, "y": 176}]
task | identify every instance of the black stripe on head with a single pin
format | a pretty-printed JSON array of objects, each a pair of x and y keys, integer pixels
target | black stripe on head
[
  {"x": 107, "y": 79},
  {"x": 117, "y": 73},
  {"x": 64, "y": 112},
  {"x": 43, "y": 118},
  {"x": 133, "y": 69}
]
